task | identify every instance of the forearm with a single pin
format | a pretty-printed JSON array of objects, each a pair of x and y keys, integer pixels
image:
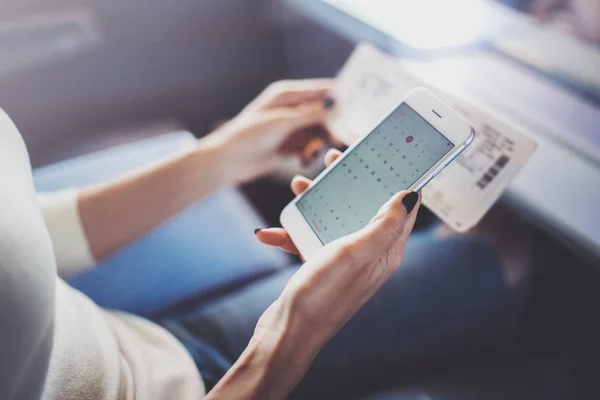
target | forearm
[
  {"x": 117, "y": 213},
  {"x": 275, "y": 360}
]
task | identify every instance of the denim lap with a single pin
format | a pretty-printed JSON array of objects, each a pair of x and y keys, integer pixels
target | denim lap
[{"x": 448, "y": 295}]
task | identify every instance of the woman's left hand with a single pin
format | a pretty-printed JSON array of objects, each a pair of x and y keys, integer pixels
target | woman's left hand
[{"x": 253, "y": 140}]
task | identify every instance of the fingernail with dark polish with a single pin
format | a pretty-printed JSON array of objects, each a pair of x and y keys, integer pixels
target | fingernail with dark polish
[
  {"x": 257, "y": 229},
  {"x": 328, "y": 102},
  {"x": 409, "y": 201}
]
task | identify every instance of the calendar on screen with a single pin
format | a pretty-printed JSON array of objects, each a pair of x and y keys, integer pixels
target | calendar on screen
[{"x": 390, "y": 159}]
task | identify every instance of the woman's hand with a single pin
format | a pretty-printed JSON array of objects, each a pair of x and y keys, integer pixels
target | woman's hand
[
  {"x": 319, "y": 299},
  {"x": 347, "y": 272},
  {"x": 254, "y": 141}
]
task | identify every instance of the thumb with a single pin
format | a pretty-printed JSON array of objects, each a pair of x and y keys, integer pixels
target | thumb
[{"x": 394, "y": 220}]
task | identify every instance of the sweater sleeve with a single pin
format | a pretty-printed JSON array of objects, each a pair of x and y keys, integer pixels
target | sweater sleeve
[{"x": 60, "y": 211}]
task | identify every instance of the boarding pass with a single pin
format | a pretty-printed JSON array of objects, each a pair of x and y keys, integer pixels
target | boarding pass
[{"x": 371, "y": 83}]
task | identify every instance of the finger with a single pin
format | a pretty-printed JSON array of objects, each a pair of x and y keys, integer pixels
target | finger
[
  {"x": 300, "y": 184},
  {"x": 312, "y": 150},
  {"x": 412, "y": 218},
  {"x": 309, "y": 144},
  {"x": 293, "y": 93},
  {"x": 392, "y": 221},
  {"x": 403, "y": 205},
  {"x": 331, "y": 156},
  {"x": 277, "y": 237},
  {"x": 291, "y": 120},
  {"x": 354, "y": 137},
  {"x": 285, "y": 123},
  {"x": 337, "y": 142},
  {"x": 296, "y": 119}
]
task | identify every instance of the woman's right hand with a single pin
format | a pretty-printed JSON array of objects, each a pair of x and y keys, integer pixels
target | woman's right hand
[
  {"x": 331, "y": 287},
  {"x": 318, "y": 300}
]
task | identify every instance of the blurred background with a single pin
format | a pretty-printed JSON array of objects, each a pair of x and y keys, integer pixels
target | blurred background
[
  {"x": 79, "y": 74},
  {"x": 83, "y": 75}
]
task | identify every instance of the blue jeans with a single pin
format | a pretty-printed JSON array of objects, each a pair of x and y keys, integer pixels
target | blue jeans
[{"x": 448, "y": 296}]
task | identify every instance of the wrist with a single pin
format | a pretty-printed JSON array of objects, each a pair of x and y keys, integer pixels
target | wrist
[
  {"x": 286, "y": 334},
  {"x": 275, "y": 360},
  {"x": 215, "y": 154},
  {"x": 285, "y": 347}
]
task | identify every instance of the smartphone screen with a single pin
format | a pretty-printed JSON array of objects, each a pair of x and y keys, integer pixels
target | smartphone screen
[{"x": 390, "y": 159}]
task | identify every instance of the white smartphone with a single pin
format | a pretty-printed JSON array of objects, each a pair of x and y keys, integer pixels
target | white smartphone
[{"x": 406, "y": 149}]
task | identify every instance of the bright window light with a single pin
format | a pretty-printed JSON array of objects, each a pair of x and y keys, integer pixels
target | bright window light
[{"x": 423, "y": 24}]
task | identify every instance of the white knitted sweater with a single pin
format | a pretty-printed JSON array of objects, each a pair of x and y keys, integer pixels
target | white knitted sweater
[{"x": 55, "y": 343}]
